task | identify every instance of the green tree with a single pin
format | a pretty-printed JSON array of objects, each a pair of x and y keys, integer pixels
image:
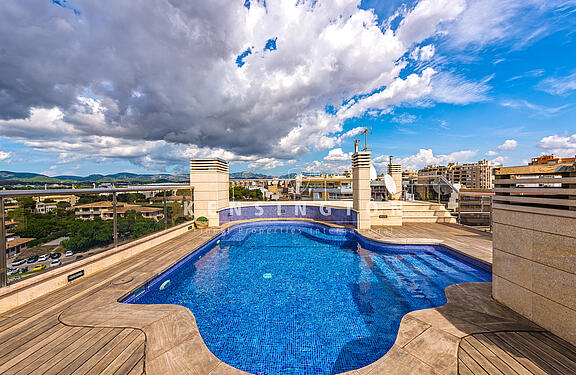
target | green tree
[
  {"x": 86, "y": 234},
  {"x": 131, "y": 197},
  {"x": 27, "y": 203}
]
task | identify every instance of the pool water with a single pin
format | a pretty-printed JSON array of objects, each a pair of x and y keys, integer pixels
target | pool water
[{"x": 303, "y": 298}]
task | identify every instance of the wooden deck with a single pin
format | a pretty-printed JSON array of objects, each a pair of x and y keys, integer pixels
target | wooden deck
[
  {"x": 34, "y": 339},
  {"x": 475, "y": 243},
  {"x": 522, "y": 353}
]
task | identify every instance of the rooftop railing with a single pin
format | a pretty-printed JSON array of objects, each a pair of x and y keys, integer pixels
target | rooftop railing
[
  {"x": 132, "y": 218},
  {"x": 546, "y": 189},
  {"x": 469, "y": 207}
]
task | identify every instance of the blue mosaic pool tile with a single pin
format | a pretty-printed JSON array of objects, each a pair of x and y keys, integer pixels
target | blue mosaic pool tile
[{"x": 302, "y": 298}]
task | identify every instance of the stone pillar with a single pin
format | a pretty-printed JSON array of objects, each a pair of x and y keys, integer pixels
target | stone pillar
[
  {"x": 395, "y": 170},
  {"x": 210, "y": 180},
  {"x": 361, "y": 187}
]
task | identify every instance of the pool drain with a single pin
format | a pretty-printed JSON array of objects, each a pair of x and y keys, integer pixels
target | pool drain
[{"x": 267, "y": 276}]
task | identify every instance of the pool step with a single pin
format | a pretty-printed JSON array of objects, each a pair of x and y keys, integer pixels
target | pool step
[
  {"x": 428, "y": 219},
  {"x": 438, "y": 213},
  {"x": 426, "y": 212}
]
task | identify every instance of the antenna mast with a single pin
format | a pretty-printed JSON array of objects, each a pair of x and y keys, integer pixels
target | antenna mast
[{"x": 365, "y": 134}]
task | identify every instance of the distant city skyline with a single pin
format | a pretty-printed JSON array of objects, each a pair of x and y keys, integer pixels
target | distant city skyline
[{"x": 282, "y": 86}]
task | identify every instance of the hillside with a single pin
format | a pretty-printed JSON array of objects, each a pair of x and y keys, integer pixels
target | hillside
[{"x": 16, "y": 178}]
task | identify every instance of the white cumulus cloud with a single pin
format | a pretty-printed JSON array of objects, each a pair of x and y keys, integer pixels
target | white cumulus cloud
[
  {"x": 200, "y": 76},
  {"x": 426, "y": 157},
  {"x": 338, "y": 155},
  {"x": 508, "y": 145},
  {"x": 564, "y": 146}
]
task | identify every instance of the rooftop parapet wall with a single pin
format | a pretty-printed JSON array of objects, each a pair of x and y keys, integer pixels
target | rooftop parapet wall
[{"x": 534, "y": 268}]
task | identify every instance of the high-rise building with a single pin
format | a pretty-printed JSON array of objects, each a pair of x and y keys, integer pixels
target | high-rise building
[{"x": 478, "y": 175}]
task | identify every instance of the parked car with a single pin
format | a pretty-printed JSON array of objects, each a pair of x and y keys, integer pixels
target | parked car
[
  {"x": 32, "y": 259},
  {"x": 69, "y": 253},
  {"x": 39, "y": 267},
  {"x": 23, "y": 269},
  {"x": 79, "y": 257},
  {"x": 55, "y": 263},
  {"x": 12, "y": 271},
  {"x": 55, "y": 255},
  {"x": 44, "y": 257},
  {"x": 17, "y": 262}
]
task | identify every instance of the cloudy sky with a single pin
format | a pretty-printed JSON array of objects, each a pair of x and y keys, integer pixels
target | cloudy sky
[{"x": 282, "y": 85}]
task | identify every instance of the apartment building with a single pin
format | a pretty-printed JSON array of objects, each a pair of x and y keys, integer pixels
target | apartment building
[
  {"x": 105, "y": 210},
  {"x": 326, "y": 187},
  {"x": 478, "y": 175},
  {"x": 551, "y": 159},
  {"x": 71, "y": 199}
]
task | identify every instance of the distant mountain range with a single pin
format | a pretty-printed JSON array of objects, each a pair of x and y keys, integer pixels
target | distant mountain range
[
  {"x": 23, "y": 178},
  {"x": 16, "y": 178}
]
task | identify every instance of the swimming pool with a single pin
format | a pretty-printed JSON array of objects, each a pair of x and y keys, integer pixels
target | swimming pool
[{"x": 288, "y": 297}]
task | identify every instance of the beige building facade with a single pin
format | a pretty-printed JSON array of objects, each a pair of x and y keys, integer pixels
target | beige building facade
[
  {"x": 479, "y": 175},
  {"x": 105, "y": 210},
  {"x": 534, "y": 255}
]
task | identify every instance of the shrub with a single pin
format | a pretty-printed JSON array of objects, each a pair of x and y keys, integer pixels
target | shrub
[{"x": 202, "y": 219}]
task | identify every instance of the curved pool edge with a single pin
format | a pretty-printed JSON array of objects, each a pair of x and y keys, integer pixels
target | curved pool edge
[{"x": 174, "y": 327}]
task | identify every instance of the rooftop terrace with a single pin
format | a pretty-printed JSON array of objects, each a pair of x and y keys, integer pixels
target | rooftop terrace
[{"x": 82, "y": 329}]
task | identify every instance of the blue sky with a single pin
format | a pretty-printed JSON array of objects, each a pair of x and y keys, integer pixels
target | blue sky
[{"x": 436, "y": 81}]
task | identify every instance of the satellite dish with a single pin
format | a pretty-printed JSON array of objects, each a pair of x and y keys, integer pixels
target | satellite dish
[
  {"x": 373, "y": 174},
  {"x": 390, "y": 184}
]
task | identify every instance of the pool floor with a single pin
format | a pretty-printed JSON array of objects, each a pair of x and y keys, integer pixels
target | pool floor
[{"x": 294, "y": 298}]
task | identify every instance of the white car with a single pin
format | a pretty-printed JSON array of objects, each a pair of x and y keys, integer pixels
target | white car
[
  {"x": 55, "y": 263},
  {"x": 12, "y": 271},
  {"x": 69, "y": 253},
  {"x": 17, "y": 262},
  {"x": 44, "y": 258}
]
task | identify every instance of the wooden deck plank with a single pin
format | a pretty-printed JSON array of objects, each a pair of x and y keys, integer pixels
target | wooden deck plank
[
  {"x": 132, "y": 361},
  {"x": 20, "y": 327},
  {"x": 556, "y": 343},
  {"x": 491, "y": 358},
  {"x": 21, "y": 360},
  {"x": 22, "y": 340},
  {"x": 138, "y": 368},
  {"x": 520, "y": 355},
  {"x": 480, "y": 358},
  {"x": 463, "y": 369},
  {"x": 76, "y": 350},
  {"x": 90, "y": 351},
  {"x": 501, "y": 353},
  {"x": 135, "y": 336},
  {"x": 72, "y": 351},
  {"x": 17, "y": 356},
  {"x": 46, "y": 354},
  {"x": 559, "y": 362},
  {"x": 133, "y": 347},
  {"x": 471, "y": 364},
  {"x": 102, "y": 353}
]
